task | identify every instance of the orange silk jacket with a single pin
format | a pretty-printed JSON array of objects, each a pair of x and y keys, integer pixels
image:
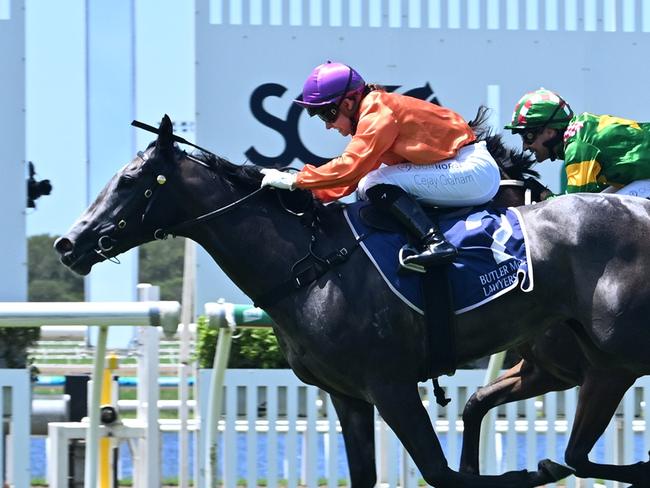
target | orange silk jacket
[{"x": 391, "y": 129}]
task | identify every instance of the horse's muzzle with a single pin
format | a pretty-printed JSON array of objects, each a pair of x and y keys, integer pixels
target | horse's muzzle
[
  {"x": 63, "y": 245},
  {"x": 80, "y": 264}
]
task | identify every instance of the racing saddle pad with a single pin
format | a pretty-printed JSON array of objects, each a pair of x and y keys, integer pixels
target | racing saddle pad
[{"x": 492, "y": 257}]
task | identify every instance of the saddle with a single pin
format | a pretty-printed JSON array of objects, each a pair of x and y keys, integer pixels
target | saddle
[
  {"x": 377, "y": 219},
  {"x": 436, "y": 291}
]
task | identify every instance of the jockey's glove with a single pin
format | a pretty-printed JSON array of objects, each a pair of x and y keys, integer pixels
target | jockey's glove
[{"x": 278, "y": 179}]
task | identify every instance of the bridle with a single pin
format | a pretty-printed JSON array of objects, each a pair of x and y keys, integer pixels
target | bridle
[
  {"x": 106, "y": 242},
  {"x": 304, "y": 272}
]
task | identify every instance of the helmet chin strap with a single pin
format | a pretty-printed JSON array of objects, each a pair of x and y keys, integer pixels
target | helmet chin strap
[{"x": 553, "y": 143}]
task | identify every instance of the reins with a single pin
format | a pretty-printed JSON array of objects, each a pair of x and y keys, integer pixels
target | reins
[{"x": 173, "y": 230}]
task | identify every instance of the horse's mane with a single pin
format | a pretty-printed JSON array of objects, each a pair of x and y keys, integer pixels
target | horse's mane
[
  {"x": 249, "y": 175},
  {"x": 245, "y": 174},
  {"x": 514, "y": 162}
]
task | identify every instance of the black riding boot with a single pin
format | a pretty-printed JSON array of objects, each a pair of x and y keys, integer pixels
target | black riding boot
[{"x": 436, "y": 250}]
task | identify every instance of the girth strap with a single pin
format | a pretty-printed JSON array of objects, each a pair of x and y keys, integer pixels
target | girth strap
[
  {"x": 317, "y": 267},
  {"x": 440, "y": 321}
]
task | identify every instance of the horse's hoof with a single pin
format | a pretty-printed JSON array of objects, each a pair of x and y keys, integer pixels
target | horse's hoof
[{"x": 554, "y": 471}]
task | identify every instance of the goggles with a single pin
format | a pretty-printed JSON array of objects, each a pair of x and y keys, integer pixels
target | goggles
[
  {"x": 330, "y": 112},
  {"x": 327, "y": 113},
  {"x": 530, "y": 135}
]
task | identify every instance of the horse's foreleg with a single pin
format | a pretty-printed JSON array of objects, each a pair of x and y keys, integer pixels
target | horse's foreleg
[
  {"x": 522, "y": 381},
  {"x": 600, "y": 394},
  {"x": 402, "y": 409},
  {"x": 357, "y": 423}
]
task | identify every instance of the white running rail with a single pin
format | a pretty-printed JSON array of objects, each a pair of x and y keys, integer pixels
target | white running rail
[{"x": 102, "y": 315}]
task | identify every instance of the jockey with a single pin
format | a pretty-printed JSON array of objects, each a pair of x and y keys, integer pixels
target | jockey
[
  {"x": 600, "y": 152},
  {"x": 403, "y": 152}
]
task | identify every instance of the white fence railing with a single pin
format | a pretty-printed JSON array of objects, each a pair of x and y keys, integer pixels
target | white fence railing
[
  {"x": 297, "y": 436},
  {"x": 100, "y": 314},
  {"x": 14, "y": 395}
]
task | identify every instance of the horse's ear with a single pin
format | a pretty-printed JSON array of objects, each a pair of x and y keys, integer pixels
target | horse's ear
[{"x": 165, "y": 132}]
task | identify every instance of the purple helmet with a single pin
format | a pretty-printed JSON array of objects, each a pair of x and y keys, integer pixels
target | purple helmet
[{"x": 329, "y": 83}]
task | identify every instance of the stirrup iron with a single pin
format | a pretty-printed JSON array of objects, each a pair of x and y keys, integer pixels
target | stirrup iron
[{"x": 404, "y": 252}]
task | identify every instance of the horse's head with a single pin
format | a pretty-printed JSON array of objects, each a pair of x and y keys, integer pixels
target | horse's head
[{"x": 133, "y": 208}]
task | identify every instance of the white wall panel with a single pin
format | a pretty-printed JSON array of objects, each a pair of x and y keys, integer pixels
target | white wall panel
[{"x": 13, "y": 193}]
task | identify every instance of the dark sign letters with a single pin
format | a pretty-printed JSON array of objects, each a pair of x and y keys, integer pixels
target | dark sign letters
[{"x": 288, "y": 128}]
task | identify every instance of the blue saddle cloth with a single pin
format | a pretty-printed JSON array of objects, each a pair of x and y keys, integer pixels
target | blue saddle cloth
[{"x": 492, "y": 258}]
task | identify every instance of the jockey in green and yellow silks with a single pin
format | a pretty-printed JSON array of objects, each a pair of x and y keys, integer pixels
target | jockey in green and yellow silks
[{"x": 599, "y": 151}]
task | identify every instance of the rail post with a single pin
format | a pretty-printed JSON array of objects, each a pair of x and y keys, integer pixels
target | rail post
[
  {"x": 225, "y": 317},
  {"x": 148, "y": 449}
]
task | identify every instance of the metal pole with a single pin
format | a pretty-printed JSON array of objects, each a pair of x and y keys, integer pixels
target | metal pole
[
  {"x": 225, "y": 317},
  {"x": 148, "y": 451},
  {"x": 92, "y": 434},
  {"x": 187, "y": 308},
  {"x": 36, "y": 314},
  {"x": 108, "y": 396},
  {"x": 215, "y": 399},
  {"x": 239, "y": 315}
]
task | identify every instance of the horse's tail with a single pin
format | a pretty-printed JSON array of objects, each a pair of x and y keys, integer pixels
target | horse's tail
[{"x": 515, "y": 163}]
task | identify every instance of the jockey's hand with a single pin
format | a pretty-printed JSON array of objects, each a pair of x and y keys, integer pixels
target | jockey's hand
[{"x": 278, "y": 179}]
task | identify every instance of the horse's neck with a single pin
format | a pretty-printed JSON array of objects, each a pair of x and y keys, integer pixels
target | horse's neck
[{"x": 256, "y": 245}]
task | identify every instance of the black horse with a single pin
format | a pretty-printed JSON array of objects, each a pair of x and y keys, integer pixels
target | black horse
[{"x": 345, "y": 331}]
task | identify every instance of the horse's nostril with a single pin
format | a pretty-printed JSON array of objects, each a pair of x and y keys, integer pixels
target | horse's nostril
[{"x": 63, "y": 245}]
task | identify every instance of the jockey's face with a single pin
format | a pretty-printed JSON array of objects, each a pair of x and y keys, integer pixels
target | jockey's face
[
  {"x": 343, "y": 122},
  {"x": 536, "y": 144}
]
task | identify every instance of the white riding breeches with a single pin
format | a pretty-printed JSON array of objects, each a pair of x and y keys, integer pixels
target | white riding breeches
[{"x": 471, "y": 178}]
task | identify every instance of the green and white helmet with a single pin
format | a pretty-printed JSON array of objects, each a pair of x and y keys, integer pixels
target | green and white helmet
[{"x": 538, "y": 109}]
